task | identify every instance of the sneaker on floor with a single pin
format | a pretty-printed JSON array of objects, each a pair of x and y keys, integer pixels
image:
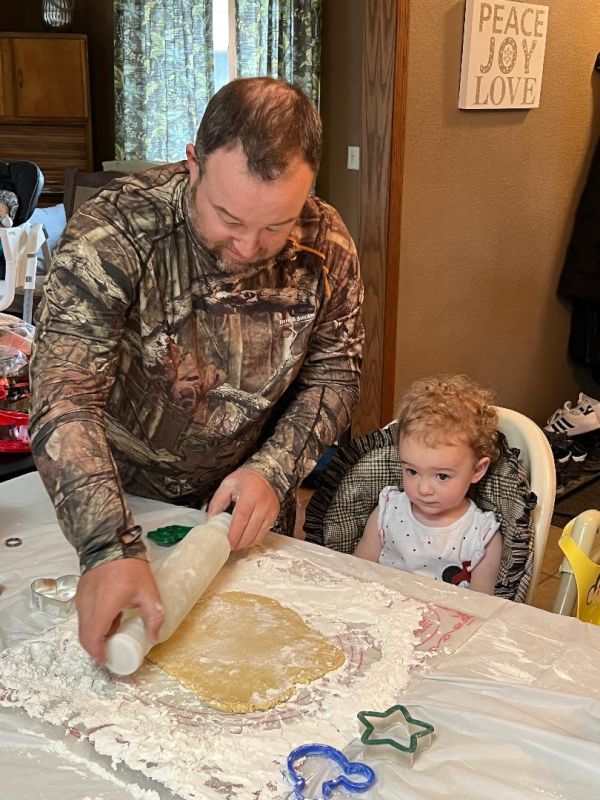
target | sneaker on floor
[
  {"x": 585, "y": 400},
  {"x": 574, "y": 420},
  {"x": 562, "y": 460},
  {"x": 579, "y": 452},
  {"x": 559, "y": 439},
  {"x": 576, "y": 467}
]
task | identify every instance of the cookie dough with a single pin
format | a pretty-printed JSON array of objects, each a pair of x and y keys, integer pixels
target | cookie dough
[{"x": 245, "y": 652}]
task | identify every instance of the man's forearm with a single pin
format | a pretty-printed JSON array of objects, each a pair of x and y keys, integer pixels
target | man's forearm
[{"x": 80, "y": 476}]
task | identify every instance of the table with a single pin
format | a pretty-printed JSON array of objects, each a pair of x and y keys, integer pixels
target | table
[{"x": 514, "y": 696}]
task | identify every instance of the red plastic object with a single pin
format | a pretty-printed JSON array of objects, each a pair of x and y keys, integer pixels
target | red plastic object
[{"x": 13, "y": 432}]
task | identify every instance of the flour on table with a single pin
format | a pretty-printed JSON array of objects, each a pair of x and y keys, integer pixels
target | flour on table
[
  {"x": 158, "y": 727},
  {"x": 63, "y": 752}
]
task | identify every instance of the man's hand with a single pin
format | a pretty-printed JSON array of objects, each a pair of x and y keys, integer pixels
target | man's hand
[
  {"x": 105, "y": 591},
  {"x": 256, "y": 506}
]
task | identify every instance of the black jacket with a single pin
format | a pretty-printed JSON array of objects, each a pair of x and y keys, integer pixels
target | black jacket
[
  {"x": 581, "y": 272},
  {"x": 580, "y": 277}
]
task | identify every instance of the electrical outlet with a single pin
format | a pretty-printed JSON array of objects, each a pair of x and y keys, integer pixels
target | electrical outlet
[{"x": 353, "y": 158}]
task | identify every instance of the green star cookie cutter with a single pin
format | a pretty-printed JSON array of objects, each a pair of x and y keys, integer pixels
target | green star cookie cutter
[
  {"x": 393, "y": 727},
  {"x": 169, "y": 535}
]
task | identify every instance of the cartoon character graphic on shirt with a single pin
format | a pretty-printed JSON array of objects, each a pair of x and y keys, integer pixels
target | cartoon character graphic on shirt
[{"x": 458, "y": 575}]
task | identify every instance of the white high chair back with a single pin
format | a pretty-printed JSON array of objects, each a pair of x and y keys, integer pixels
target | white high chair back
[
  {"x": 20, "y": 245},
  {"x": 538, "y": 461}
]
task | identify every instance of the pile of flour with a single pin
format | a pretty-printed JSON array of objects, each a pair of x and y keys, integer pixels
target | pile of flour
[{"x": 207, "y": 755}]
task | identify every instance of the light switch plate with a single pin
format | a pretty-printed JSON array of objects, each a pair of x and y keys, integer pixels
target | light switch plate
[{"x": 353, "y": 157}]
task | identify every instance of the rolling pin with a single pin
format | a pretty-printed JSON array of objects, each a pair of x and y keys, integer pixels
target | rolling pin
[{"x": 182, "y": 578}]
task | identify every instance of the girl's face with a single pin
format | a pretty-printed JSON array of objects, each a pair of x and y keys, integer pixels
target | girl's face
[{"x": 437, "y": 479}]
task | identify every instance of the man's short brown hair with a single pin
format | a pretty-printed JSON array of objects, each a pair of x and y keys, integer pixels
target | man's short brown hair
[{"x": 272, "y": 120}]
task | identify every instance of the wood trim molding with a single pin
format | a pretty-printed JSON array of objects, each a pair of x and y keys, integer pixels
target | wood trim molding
[
  {"x": 395, "y": 211},
  {"x": 380, "y": 88}
]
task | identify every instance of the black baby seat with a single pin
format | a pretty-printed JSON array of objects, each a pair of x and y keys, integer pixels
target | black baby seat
[{"x": 25, "y": 179}]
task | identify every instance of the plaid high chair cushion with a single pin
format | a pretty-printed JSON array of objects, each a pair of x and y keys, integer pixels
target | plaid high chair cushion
[{"x": 349, "y": 491}]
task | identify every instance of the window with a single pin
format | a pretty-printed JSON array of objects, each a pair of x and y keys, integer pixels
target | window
[
  {"x": 172, "y": 55},
  {"x": 224, "y": 42}
]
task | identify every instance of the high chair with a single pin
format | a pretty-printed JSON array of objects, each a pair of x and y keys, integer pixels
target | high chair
[
  {"x": 535, "y": 455},
  {"x": 580, "y": 572},
  {"x": 520, "y": 488},
  {"x": 20, "y": 244}
]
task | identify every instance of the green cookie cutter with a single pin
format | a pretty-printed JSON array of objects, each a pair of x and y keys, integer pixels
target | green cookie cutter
[
  {"x": 169, "y": 535},
  {"x": 395, "y": 728}
]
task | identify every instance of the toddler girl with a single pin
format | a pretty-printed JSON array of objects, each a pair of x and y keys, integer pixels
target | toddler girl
[{"x": 447, "y": 434}]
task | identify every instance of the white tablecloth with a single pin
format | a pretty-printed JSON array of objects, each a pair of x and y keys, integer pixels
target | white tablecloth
[{"x": 515, "y": 701}]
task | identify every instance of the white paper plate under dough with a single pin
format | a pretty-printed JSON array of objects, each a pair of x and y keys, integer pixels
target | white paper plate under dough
[{"x": 244, "y": 652}]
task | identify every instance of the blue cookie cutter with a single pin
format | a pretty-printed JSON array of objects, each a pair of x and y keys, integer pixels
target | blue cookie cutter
[{"x": 326, "y": 751}]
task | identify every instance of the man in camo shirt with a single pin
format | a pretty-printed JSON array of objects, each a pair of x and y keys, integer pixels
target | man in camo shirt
[{"x": 199, "y": 340}]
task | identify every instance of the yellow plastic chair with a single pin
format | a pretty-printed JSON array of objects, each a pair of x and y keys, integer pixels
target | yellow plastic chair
[{"x": 580, "y": 573}]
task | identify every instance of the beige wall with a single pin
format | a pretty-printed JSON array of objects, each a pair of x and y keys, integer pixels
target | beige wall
[{"x": 488, "y": 204}]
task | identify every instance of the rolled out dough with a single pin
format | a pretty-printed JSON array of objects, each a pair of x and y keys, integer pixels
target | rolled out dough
[{"x": 244, "y": 652}]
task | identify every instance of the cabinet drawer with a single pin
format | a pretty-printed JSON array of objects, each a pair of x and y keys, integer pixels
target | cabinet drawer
[{"x": 52, "y": 147}]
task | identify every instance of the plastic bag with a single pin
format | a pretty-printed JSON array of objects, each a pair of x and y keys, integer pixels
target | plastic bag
[
  {"x": 16, "y": 338},
  {"x": 13, "y": 432}
]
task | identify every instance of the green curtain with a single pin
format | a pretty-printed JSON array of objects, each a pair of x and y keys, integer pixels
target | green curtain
[
  {"x": 164, "y": 75},
  {"x": 280, "y": 38}
]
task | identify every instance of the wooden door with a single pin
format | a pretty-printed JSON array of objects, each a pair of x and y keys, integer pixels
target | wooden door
[{"x": 47, "y": 77}]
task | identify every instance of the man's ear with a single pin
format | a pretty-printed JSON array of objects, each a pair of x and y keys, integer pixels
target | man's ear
[
  {"x": 480, "y": 468},
  {"x": 192, "y": 163}
]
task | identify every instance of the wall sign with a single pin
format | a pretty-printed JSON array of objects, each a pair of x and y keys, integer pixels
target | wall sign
[{"x": 503, "y": 54}]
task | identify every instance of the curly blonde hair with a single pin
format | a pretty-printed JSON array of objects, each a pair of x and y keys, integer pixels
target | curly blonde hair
[{"x": 450, "y": 408}]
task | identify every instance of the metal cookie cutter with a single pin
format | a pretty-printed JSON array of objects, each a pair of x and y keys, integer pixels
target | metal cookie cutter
[
  {"x": 55, "y": 596},
  {"x": 169, "y": 534},
  {"x": 396, "y": 728},
  {"x": 348, "y": 769}
]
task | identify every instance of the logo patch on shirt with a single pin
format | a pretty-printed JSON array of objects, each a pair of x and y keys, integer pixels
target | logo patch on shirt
[{"x": 287, "y": 321}]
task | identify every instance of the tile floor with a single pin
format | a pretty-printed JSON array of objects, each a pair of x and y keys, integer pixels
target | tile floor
[{"x": 549, "y": 576}]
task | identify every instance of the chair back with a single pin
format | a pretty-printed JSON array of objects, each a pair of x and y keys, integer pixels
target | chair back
[
  {"x": 80, "y": 186},
  {"x": 579, "y": 535},
  {"x": 535, "y": 455}
]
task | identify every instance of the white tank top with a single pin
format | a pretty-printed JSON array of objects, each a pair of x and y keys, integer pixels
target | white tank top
[{"x": 446, "y": 554}]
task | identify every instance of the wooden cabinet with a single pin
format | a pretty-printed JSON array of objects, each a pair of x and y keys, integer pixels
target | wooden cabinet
[{"x": 44, "y": 103}]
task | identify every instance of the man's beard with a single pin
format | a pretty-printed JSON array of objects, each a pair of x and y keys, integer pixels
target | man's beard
[
  {"x": 215, "y": 249},
  {"x": 237, "y": 267}
]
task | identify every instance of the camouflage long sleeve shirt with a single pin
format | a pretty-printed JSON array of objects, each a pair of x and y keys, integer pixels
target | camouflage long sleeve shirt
[{"x": 156, "y": 372}]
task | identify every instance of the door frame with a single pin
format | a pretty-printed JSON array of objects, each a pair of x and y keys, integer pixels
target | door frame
[{"x": 384, "y": 99}]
